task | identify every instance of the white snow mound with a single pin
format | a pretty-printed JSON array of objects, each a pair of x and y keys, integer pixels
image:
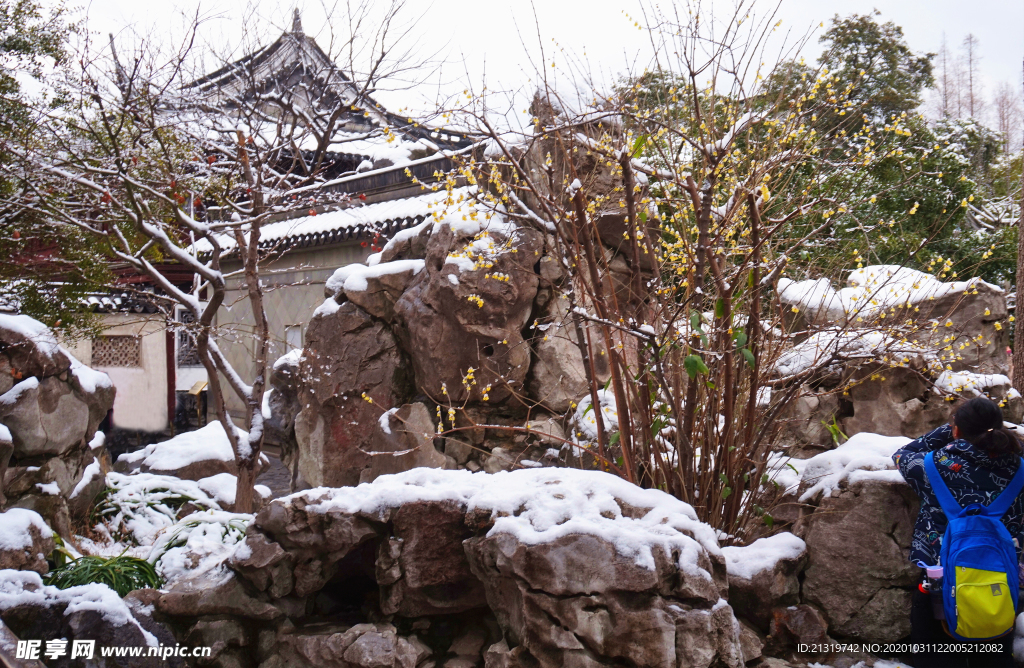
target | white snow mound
[
  {"x": 14, "y": 528},
  {"x": 762, "y": 555}
]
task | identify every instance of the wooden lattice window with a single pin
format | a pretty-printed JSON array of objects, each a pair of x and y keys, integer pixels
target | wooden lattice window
[{"x": 117, "y": 351}]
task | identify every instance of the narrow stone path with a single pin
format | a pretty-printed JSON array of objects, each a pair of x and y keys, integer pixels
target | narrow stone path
[{"x": 277, "y": 477}]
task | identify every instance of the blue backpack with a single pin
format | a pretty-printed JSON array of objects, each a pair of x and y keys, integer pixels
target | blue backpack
[{"x": 979, "y": 562}]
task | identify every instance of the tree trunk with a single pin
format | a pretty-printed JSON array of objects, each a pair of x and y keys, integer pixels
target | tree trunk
[
  {"x": 1018, "y": 349},
  {"x": 244, "y": 492}
]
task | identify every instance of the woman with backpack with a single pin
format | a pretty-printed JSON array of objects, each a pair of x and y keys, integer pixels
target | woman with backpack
[{"x": 973, "y": 531}]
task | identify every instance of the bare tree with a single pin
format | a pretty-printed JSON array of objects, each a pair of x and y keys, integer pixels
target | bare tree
[
  {"x": 173, "y": 171},
  {"x": 1009, "y": 114},
  {"x": 974, "y": 101}
]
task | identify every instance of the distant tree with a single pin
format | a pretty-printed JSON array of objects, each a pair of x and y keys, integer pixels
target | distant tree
[
  {"x": 973, "y": 98},
  {"x": 45, "y": 271},
  {"x": 874, "y": 59}
]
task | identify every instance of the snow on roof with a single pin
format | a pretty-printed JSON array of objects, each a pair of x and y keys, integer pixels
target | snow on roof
[
  {"x": 541, "y": 505},
  {"x": 375, "y": 147},
  {"x": 355, "y": 219},
  {"x": 869, "y": 291},
  {"x": 762, "y": 555},
  {"x": 14, "y": 528}
]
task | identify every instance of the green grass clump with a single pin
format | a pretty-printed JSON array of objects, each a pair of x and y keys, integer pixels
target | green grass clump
[{"x": 121, "y": 573}]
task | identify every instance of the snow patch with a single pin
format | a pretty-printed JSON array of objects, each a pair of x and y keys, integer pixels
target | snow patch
[
  {"x": 972, "y": 384},
  {"x": 865, "y": 456},
  {"x": 90, "y": 473},
  {"x": 869, "y": 291},
  {"x": 209, "y": 442},
  {"x": 14, "y": 528},
  {"x": 51, "y": 488},
  {"x": 762, "y": 555}
]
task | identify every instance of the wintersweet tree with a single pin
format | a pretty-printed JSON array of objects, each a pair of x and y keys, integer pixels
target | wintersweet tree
[
  {"x": 675, "y": 204},
  {"x": 174, "y": 171}
]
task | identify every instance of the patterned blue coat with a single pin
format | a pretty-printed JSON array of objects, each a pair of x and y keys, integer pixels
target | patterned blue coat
[{"x": 972, "y": 477}]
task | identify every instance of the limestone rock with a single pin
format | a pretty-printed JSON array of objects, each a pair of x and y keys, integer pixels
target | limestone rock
[
  {"x": 383, "y": 288},
  {"x": 894, "y": 402},
  {"x": 568, "y": 602},
  {"x": 858, "y": 572},
  {"x": 805, "y": 418},
  {"x": 764, "y": 575},
  {"x": 93, "y": 612},
  {"x": 422, "y": 568},
  {"x": 557, "y": 376},
  {"x": 797, "y": 624},
  {"x": 30, "y": 348},
  {"x": 45, "y": 417},
  {"x": 361, "y": 646},
  {"x": 465, "y": 314},
  {"x": 348, "y": 354},
  {"x": 407, "y": 442},
  {"x": 210, "y": 595},
  {"x": 284, "y": 396}
]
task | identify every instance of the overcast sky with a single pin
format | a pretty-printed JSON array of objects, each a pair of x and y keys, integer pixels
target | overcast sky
[{"x": 475, "y": 34}]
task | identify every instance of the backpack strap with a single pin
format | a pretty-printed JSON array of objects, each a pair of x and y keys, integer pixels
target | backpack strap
[
  {"x": 1002, "y": 504},
  {"x": 949, "y": 505}
]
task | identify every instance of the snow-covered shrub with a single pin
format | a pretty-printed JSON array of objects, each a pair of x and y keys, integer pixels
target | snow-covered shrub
[
  {"x": 133, "y": 509},
  {"x": 198, "y": 543}
]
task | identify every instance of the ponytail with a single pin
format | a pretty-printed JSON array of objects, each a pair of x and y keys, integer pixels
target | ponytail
[
  {"x": 998, "y": 443},
  {"x": 980, "y": 422}
]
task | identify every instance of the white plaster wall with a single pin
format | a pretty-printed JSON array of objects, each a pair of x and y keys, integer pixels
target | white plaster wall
[{"x": 141, "y": 399}]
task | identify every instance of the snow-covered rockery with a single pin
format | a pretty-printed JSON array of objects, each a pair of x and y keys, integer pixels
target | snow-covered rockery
[
  {"x": 50, "y": 407},
  {"x": 959, "y": 324},
  {"x": 438, "y": 313},
  {"x": 577, "y": 545},
  {"x": 889, "y": 352}
]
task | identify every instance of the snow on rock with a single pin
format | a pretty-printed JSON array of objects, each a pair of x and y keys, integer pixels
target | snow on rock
[
  {"x": 762, "y": 555},
  {"x": 356, "y": 277},
  {"x": 221, "y": 488},
  {"x": 586, "y": 421},
  {"x": 88, "y": 475},
  {"x": 16, "y": 526},
  {"x": 869, "y": 291},
  {"x": 834, "y": 345},
  {"x": 5, "y": 435},
  {"x": 972, "y": 384},
  {"x": 541, "y": 505},
  {"x": 25, "y": 588},
  {"x": 190, "y": 455},
  {"x": 199, "y": 545},
  {"x": 865, "y": 456},
  {"x": 88, "y": 378},
  {"x": 12, "y": 395},
  {"x": 34, "y": 331}
]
